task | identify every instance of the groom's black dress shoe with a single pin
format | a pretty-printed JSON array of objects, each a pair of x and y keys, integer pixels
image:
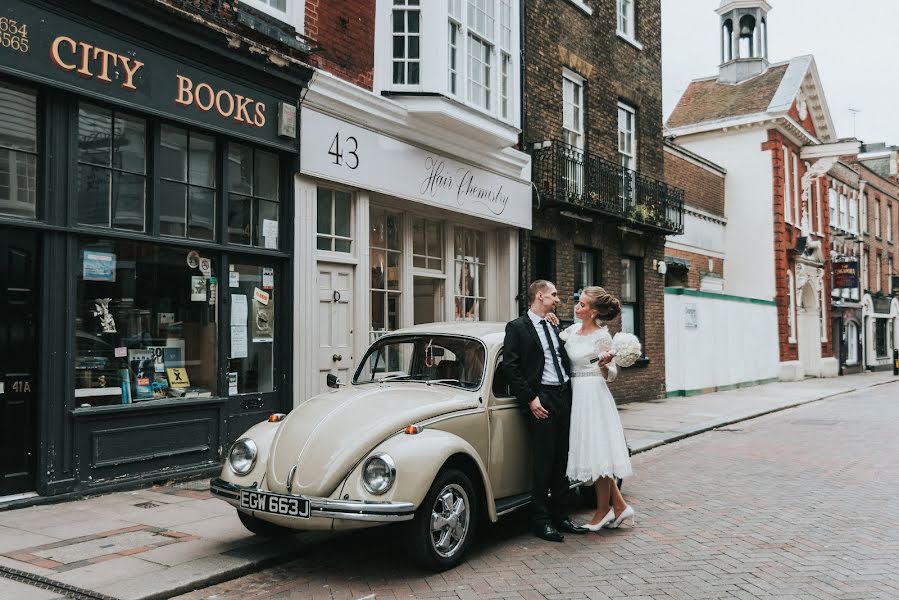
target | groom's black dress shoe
[
  {"x": 549, "y": 533},
  {"x": 568, "y": 527}
]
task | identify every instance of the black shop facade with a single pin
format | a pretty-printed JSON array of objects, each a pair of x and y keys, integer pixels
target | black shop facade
[{"x": 146, "y": 196}]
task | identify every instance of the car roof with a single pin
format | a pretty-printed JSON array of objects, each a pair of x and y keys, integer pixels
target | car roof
[{"x": 490, "y": 332}]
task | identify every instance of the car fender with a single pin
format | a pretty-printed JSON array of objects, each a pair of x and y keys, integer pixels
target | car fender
[
  {"x": 262, "y": 434},
  {"x": 419, "y": 457}
]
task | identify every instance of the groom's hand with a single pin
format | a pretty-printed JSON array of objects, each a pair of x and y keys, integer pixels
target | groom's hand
[{"x": 537, "y": 409}]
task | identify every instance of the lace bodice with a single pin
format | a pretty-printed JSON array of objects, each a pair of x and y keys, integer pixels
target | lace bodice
[{"x": 582, "y": 348}]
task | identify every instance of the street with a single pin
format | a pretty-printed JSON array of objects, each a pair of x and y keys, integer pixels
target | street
[{"x": 796, "y": 504}]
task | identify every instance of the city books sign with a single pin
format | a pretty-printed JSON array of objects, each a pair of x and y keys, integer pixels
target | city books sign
[
  {"x": 845, "y": 274},
  {"x": 346, "y": 153}
]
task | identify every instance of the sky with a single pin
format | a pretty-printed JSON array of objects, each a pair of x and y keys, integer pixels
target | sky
[{"x": 854, "y": 42}]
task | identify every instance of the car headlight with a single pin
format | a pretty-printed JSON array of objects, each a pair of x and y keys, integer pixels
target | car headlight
[
  {"x": 378, "y": 473},
  {"x": 242, "y": 456}
]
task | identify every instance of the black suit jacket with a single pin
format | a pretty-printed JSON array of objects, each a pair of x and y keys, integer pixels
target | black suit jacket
[{"x": 523, "y": 359}]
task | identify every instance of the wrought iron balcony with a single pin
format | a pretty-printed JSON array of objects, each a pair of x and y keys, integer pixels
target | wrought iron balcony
[{"x": 567, "y": 176}]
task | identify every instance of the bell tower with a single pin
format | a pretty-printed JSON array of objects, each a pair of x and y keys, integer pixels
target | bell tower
[{"x": 744, "y": 39}]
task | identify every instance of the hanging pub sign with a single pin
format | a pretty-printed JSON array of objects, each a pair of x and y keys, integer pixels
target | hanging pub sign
[
  {"x": 845, "y": 274},
  {"x": 48, "y": 47}
]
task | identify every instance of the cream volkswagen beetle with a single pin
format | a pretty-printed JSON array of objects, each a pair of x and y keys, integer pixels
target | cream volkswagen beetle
[{"x": 426, "y": 434}]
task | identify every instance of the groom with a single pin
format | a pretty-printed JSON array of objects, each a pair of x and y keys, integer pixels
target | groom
[{"x": 536, "y": 368}]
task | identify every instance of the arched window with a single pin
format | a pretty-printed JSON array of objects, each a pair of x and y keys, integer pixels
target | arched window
[
  {"x": 747, "y": 37},
  {"x": 791, "y": 307}
]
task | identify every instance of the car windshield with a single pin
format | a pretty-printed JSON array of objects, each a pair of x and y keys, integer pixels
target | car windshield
[{"x": 450, "y": 360}]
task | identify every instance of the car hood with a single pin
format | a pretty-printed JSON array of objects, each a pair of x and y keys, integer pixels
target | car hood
[{"x": 327, "y": 435}]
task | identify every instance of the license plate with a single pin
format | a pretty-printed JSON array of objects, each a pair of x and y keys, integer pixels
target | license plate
[{"x": 274, "y": 503}]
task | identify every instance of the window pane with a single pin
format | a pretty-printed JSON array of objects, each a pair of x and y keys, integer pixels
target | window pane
[
  {"x": 324, "y": 243},
  {"x": 342, "y": 214},
  {"x": 378, "y": 269},
  {"x": 414, "y": 77},
  {"x": 399, "y": 72},
  {"x": 129, "y": 144},
  {"x": 343, "y": 245},
  {"x": 627, "y": 318},
  {"x": 93, "y": 195},
  {"x": 18, "y": 115},
  {"x": 129, "y": 192},
  {"x": 399, "y": 47},
  {"x": 94, "y": 130},
  {"x": 255, "y": 370},
  {"x": 378, "y": 321},
  {"x": 413, "y": 50},
  {"x": 172, "y": 208},
  {"x": 414, "y": 20},
  {"x": 202, "y": 160},
  {"x": 201, "y": 214},
  {"x": 265, "y": 180},
  {"x": 173, "y": 153},
  {"x": 435, "y": 239},
  {"x": 239, "y": 218},
  {"x": 323, "y": 212},
  {"x": 394, "y": 231},
  {"x": 18, "y": 184},
  {"x": 394, "y": 262},
  {"x": 240, "y": 169},
  {"x": 159, "y": 309},
  {"x": 418, "y": 236},
  {"x": 265, "y": 231}
]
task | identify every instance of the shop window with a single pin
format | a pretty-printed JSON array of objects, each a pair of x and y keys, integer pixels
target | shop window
[
  {"x": 253, "y": 186},
  {"x": 252, "y": 328},
  {"x": 386, "y": 271},
  {"x": 630, "y": 296},
  {"x": 427, "y": 244},
  {"x": 145, "y": 324},
  {"x": 470, "y": 265},
  {"x": 880, "y": 337},
  {"x": 186, "y": 184},
  {"x": 334, "y": 221},
  {"x": 112, "y": 181},
  {"x": 18, "y": 152}
]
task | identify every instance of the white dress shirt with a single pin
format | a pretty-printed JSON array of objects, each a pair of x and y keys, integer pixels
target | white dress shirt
[{"x": 549, "y": 370}]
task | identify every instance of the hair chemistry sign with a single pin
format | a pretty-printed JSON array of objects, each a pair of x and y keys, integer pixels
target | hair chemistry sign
[
  {"x": 50, "y": 48},
  {"x": 343, "y": 152}
]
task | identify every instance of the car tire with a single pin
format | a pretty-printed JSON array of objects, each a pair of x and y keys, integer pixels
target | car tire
[
  {"x": 260, "y": 527},
  {"x": 444, "y": 524}
]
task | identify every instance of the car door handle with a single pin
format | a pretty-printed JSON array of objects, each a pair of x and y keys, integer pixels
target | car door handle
[{"x": 337, "y": 358}]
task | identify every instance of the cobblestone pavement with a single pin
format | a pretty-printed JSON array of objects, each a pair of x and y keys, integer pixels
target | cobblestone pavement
[{"x": 798, "y": 504}]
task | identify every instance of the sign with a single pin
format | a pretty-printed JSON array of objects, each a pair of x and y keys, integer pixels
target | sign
[
  {"x": 98, "y": 266},
  {"x": 845, "y": 274},
  {"x": 691, "y": 320},
  {"x": 51, "y": 48},
  {"x": 339, "y": 151}
]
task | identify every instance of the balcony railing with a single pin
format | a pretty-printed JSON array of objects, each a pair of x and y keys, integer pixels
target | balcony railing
[{"x": 567, "y": 176}]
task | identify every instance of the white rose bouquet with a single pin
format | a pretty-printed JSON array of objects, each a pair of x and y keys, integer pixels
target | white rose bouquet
[{"x": 627, "y": 349}]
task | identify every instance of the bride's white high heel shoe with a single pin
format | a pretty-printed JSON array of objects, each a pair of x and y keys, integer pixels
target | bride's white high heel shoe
[
  {"x": 610, "y": 516},
  {"x": 627, "y": 513}
]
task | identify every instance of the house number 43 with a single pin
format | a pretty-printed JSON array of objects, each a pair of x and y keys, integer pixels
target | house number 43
[{"x": 344, "y": 154}]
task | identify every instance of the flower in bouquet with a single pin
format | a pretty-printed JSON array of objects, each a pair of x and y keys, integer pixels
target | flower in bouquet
[{"x": 627, "y": 349}]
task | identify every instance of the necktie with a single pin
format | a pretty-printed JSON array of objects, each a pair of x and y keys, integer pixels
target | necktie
[{"x": 552, "y": 350}]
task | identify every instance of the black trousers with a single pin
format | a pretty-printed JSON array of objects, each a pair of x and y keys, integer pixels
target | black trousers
[{"x": 549, "y": 447}]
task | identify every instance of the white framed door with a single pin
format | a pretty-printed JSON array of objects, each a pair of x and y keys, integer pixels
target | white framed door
[
  {"x": 809, "y": 333},
  {"x": 334, "y": 322}
]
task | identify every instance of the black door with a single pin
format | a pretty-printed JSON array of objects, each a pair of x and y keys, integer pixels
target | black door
[{"x": 18, "y": 358}]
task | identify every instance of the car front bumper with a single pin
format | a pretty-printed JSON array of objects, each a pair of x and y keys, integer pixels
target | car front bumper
[{"x": 346, "y": 510}]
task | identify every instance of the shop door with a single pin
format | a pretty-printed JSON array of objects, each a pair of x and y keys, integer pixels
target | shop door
[
  {"x": 335, "y": 322},
  {"x": 18, "y": 368}
]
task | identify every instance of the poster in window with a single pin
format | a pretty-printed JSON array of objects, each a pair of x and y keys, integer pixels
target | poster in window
[
  {"x": 98, "y": 266},
  {"x": 197, "y": 288},
  {"x": 263, "y": 320}
]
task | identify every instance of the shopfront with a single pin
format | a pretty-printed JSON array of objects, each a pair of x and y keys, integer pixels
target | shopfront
[
  {"x": 144, "y": 209},
  {"x": 404, "y": 235}
]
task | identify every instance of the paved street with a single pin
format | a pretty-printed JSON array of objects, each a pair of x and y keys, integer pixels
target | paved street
[{"x": 796, "y": 504}]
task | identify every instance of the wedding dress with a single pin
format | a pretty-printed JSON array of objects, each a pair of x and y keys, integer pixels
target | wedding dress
[{"x": 597, "y": 447}]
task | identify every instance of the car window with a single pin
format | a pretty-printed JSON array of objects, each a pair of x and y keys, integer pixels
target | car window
[
  {"x": 450, "y": 360},
  {"x": 501, "y": 387}
]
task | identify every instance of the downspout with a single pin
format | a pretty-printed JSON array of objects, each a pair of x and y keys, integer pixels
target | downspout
[
  {"x": 524, "y": 235},
  {"x": 861, "y": 261}
]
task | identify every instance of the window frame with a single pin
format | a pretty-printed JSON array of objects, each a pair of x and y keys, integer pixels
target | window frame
[
  {"x": 331, "y": 236},
  {"x": 623, "y": 107},
  {"x": 626, "y": 11},
  {"x": 574, "y": 82},
  {"x": 406, "y": 8},
  {"x": 38, "y": 153},
  {"x": 637, "y": 302}
]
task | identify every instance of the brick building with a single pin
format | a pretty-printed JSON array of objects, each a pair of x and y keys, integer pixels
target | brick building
[
  {"x": 759, "y": 120},
  {"x": 592, "y": 120}
]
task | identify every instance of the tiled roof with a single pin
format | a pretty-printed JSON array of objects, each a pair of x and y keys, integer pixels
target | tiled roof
[{"x": 708, "y": 100}]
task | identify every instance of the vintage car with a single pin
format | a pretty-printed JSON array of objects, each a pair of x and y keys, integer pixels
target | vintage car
[{"x": 426, "y": 435}]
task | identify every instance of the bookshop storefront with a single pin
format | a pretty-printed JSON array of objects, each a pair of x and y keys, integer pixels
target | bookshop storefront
[{"x": 144, "y": 249}]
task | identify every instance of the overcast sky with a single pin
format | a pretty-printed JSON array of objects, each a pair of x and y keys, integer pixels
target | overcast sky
[{"x": 854, "y": 42}]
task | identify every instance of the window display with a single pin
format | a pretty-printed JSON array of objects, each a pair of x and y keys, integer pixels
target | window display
[
  {"x": 141, "y": 331},
  {"x": 469, "y": 273}
]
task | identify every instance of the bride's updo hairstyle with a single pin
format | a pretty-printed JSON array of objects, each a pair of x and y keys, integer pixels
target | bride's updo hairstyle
[{"x": 606, "y": 305}]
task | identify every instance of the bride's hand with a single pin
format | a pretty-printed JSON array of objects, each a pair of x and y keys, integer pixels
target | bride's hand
[{"x": 552, "y": 319}]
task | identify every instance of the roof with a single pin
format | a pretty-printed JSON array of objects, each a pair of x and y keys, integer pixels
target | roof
[{"x": 708, "y": 100}]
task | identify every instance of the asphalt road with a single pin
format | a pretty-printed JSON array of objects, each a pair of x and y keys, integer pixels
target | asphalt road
[{"x": 797, "y": 504}]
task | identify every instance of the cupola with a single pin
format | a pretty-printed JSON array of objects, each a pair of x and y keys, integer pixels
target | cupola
[{"x": 744, "y": 39}]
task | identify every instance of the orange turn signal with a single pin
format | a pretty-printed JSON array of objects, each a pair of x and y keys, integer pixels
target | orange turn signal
[
  {"x": 276, "y": 417},
  {"x": 414, "y": 429}
]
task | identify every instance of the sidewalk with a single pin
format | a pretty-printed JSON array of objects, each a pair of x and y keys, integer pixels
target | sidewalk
[{"x": 167, "y": 540}]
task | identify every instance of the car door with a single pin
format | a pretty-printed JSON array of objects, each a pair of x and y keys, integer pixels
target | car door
[{"x": 509, "y": 462}]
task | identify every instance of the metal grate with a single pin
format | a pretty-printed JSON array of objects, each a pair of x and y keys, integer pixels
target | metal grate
[{"x": 63, "y": 589}]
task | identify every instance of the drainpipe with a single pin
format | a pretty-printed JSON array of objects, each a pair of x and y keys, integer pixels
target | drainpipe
[
  {"x": 524, "y": 237},
  {"x": 860, "y": 253}
]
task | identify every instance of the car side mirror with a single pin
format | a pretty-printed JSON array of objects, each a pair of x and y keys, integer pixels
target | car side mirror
[{"x": 333, "y": 381}]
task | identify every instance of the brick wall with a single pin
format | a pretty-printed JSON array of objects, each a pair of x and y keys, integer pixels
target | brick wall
[
  {"x": 702, "y": 187},
  {"x": 343, "y": 33}
]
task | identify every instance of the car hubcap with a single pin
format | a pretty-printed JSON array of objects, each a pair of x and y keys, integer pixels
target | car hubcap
[{"x": 449, "y": 520}]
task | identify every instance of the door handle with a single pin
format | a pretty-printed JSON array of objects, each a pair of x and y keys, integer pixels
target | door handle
[
  {"x": 337, "y": 358},
  {"x": 336, "y": 296}
]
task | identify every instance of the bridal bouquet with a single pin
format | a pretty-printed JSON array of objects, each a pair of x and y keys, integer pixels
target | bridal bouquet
[{"x": 627, "y": 349}]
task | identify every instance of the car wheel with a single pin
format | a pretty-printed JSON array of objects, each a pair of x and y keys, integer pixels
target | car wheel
[
  {"x": 260, "y": 527},
  {"x": 444, "y": 524}
]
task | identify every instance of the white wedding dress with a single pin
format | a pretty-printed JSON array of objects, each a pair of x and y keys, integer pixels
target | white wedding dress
[{"x": 597, "y": 447}]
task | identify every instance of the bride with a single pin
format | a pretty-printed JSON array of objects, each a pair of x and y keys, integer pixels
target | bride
[{"x": 597, "y": 448}]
